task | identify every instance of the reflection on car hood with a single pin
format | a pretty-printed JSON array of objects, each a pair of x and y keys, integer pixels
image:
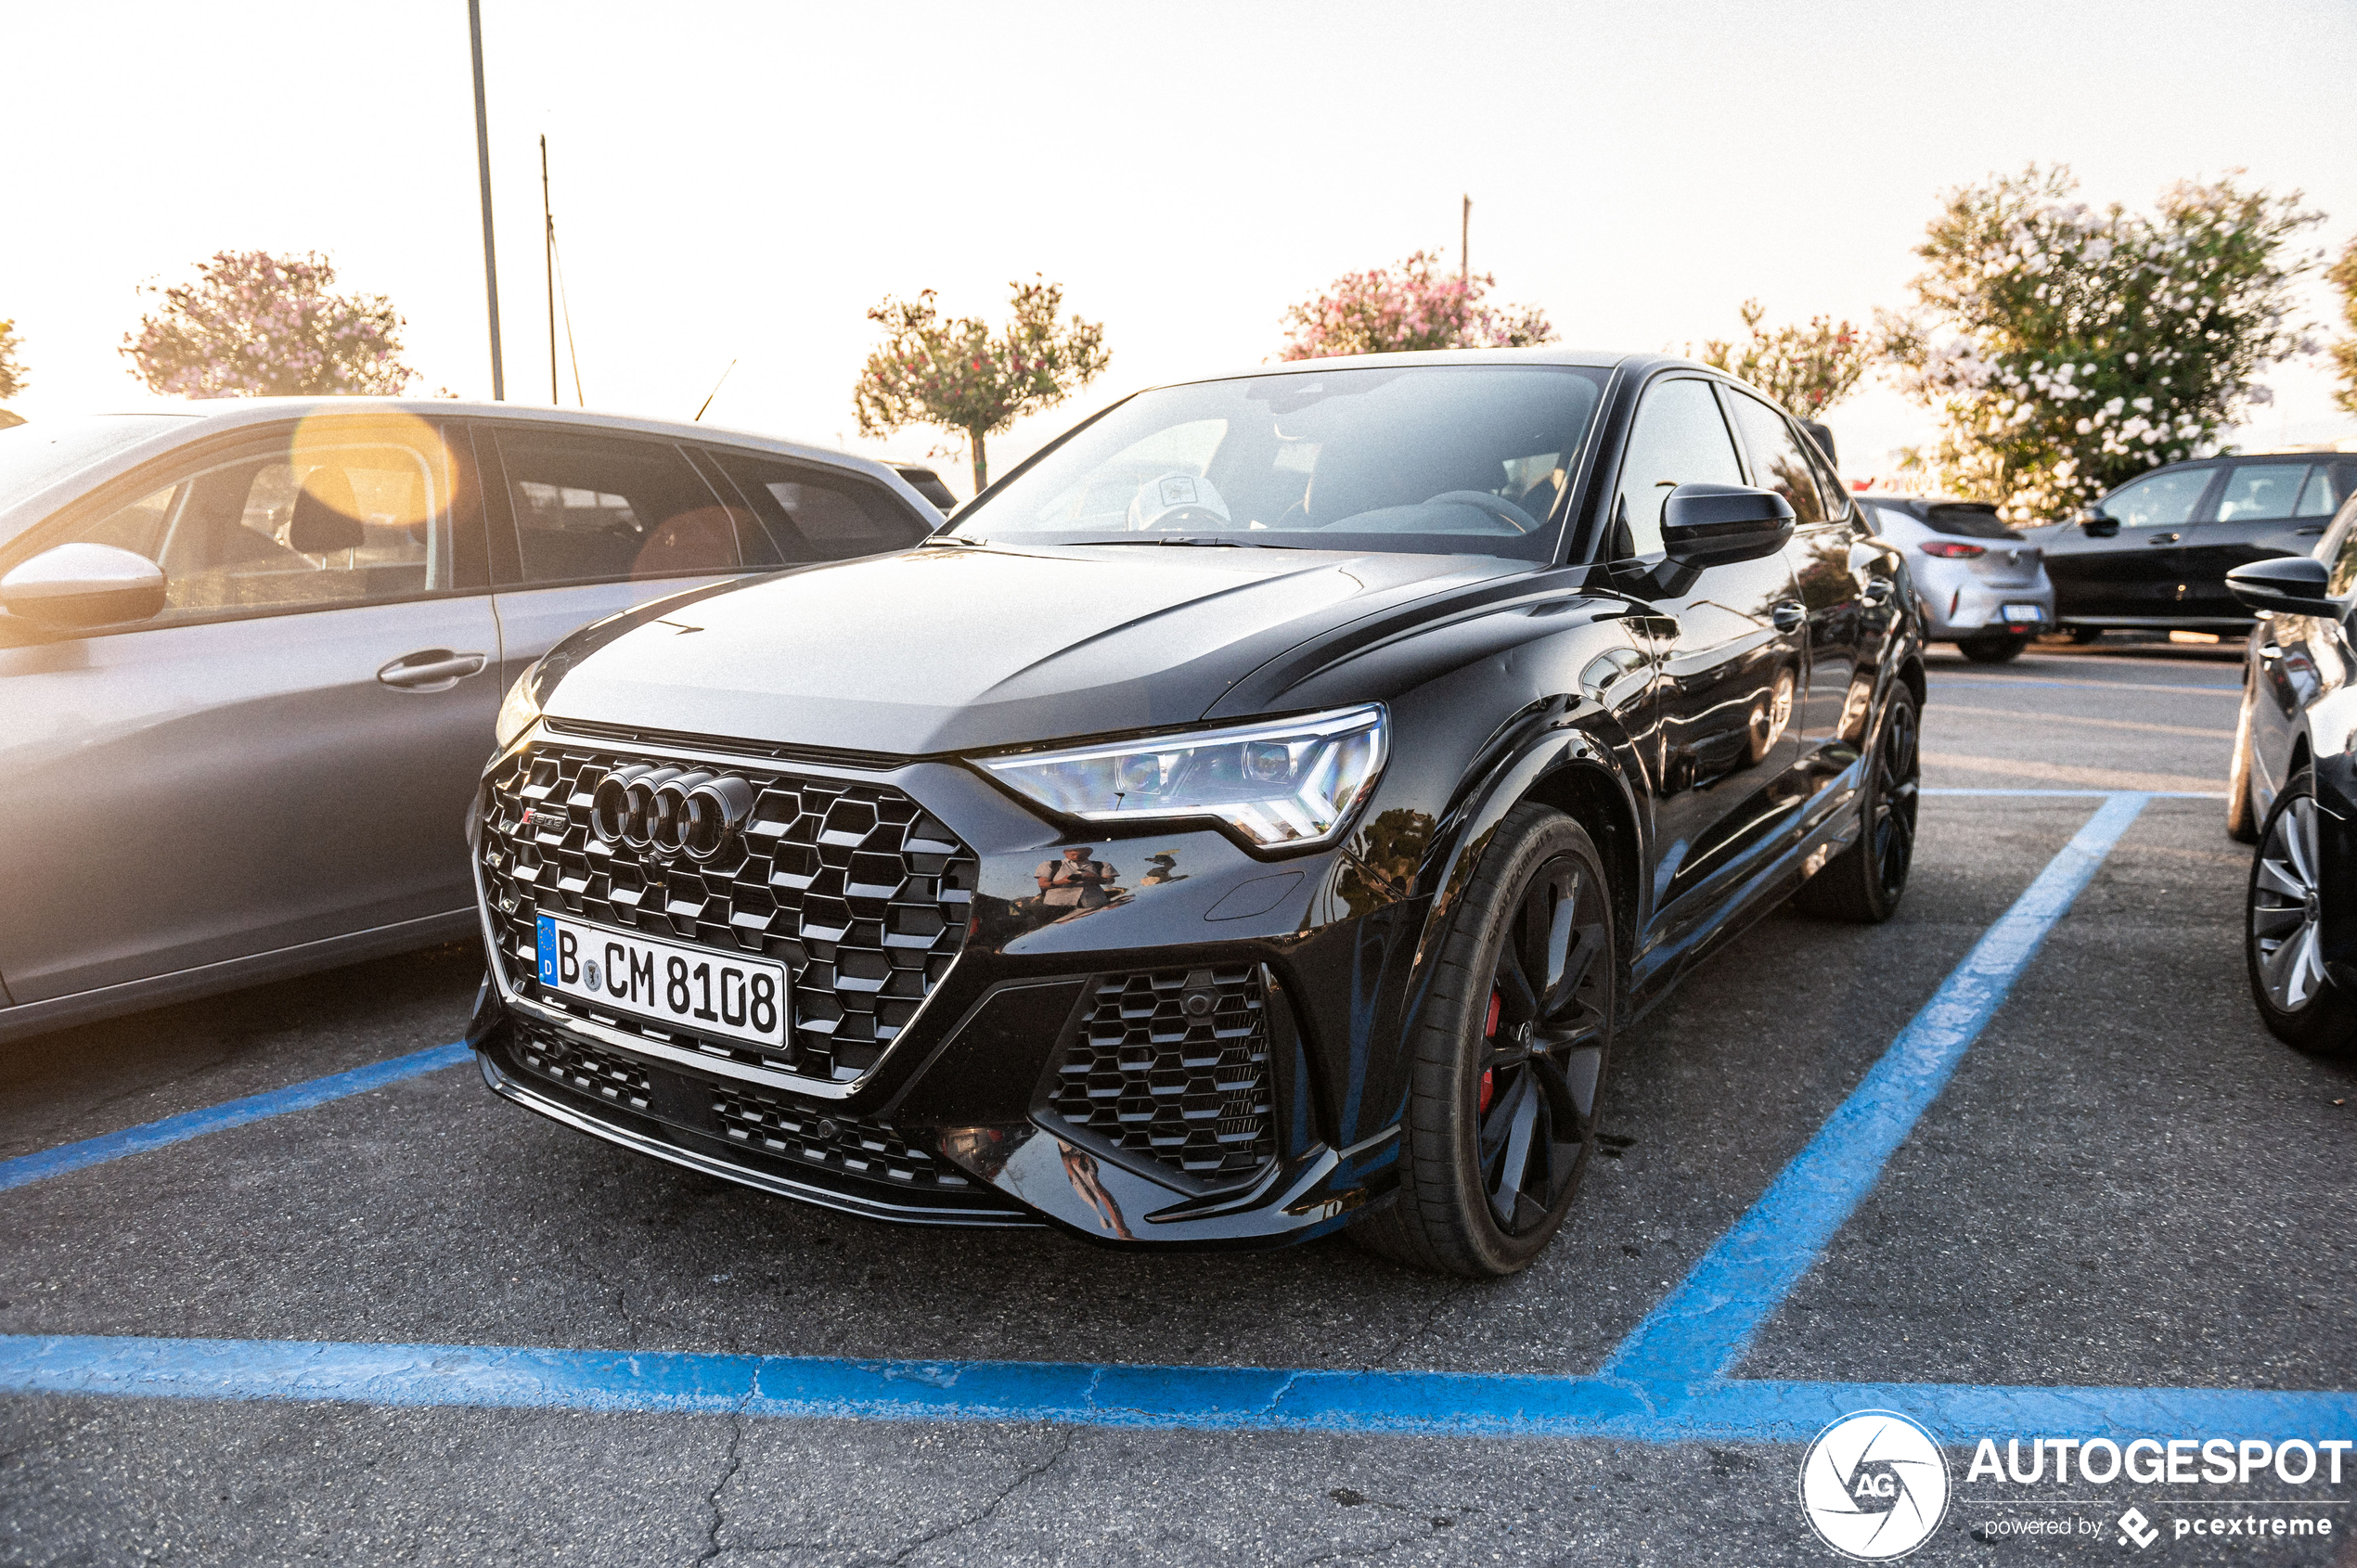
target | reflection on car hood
[{"x": 951, "y": 647}]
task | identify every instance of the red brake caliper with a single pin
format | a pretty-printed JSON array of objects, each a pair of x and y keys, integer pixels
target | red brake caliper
[{"x": 1489, "y": 1032}]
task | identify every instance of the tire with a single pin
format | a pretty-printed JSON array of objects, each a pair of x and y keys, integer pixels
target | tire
[
  {"x": 1864, "y": 883},
  {"x": 1506, "y": 1066},
  {"x": 2281, "y": 912},
  {"x": 1997, "y": 648},
  {"x": 2242, "y": 820}
]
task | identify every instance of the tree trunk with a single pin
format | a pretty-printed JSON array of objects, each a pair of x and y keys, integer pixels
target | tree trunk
[{"x": 982, "y": 465}]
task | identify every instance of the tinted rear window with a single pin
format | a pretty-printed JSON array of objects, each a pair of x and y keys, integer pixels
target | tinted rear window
[{"x": 1972, "y": 519}]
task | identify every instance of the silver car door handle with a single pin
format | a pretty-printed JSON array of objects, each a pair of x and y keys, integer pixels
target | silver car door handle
[
  {"x": 434, "y": 667},
  {"x": 2162, "y": 539},
  {"x": 1788, "y": 616}
]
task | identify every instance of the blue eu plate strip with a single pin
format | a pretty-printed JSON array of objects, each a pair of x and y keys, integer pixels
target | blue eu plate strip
[
  {"x": 546, "y": 940},
  {"x": 234, "y": 1113},
  {"x": 1215, "y": 1398},
  {"x": 1702, "y": 1329}
]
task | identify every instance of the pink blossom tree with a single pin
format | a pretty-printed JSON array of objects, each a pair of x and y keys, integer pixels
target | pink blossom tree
[
  {"x": 254, "y": 325},
  {"x": 957, "y": 375},
  {"x": 1391, "y": 310}
]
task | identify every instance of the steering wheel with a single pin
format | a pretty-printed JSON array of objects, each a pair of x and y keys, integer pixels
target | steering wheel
[
  {"x": 1505, "y": 511},
  {"x": 1179, "y": 520}
]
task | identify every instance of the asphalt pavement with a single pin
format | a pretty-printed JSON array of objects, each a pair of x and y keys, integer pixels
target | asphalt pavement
[{"x": 2126, "y": 1184}]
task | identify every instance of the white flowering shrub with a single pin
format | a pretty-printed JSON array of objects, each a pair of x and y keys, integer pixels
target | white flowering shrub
[{"x": 2066, "y": 349}]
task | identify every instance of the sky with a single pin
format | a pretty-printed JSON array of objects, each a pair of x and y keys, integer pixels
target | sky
[{"x": 743, "y": 183}]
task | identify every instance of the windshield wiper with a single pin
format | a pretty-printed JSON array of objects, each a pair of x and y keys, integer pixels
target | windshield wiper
[{"x": 1199, "y": 541}]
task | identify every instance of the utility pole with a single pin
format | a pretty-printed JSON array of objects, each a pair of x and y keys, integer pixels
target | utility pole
[
  {"x": 483, "y": 170},
  {"x": 549, "y": 262},
  {"x": 1464, "y": 245}
]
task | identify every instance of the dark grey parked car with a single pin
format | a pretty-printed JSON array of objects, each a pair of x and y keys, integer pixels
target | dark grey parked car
[{"x": 250, "y": 653}]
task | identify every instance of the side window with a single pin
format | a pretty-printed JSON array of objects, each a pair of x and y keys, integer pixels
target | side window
[
  {"x": 2162, "y": 500},
  {"x": 1679, "y": 438},
  {"x": 2328, "y": 485},
  {"x": 814, "y": 513},
  {"x": 2260, "y": 490},
  {"x": 2340, "y": 551},
  {"x": 611, "y": 508},
  {"x": 321, "y": 520},
  {"x": 1779, "y": 462}
]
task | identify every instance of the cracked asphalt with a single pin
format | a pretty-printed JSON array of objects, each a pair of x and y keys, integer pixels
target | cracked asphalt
[{"x": 2127, "y": 1183}]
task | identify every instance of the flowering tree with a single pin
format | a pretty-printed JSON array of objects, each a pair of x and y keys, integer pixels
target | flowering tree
[
  {"x": 956, "y": 375},
  {"x": 1390, "y": 310},
  {"x": 256, "y": 325},
  {"x": 2067, "y": 350},
  {"x": 2343, "y": 275},
  {"x": 1806, "y": 368},
  {"x": 12, "y": 376}
]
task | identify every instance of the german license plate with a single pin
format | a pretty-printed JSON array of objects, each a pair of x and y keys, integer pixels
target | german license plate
[
  {"x": 2017, "y": 614},
  {"x": 693, "y": 988}
]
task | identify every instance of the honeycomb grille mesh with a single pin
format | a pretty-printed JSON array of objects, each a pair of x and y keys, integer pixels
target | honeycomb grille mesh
[
  {"x": 584, "y": 1067},
  {"x": 819, "y": 1137},
  {"x": 1175, "y": 1064},
  {"x": 855, "y": 887}
]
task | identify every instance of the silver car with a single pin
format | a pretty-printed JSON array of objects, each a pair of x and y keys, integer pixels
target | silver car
[
  {"x": 1982, "y": 586},
  {"x": 250, "y": 653}
]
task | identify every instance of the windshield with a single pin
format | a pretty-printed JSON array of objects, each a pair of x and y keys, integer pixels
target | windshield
[
  {"x": 35, "y": 453},
  {"x": 1437, "y": 459}
]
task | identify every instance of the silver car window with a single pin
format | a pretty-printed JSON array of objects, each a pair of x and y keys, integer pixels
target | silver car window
[
  {"x": 2162, "y": 500},
  {"x": 313, "y": 525}
]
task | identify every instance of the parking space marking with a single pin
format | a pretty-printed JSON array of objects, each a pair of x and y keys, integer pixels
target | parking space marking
[
  {"x": 90, "y": 1151},
  {"x": 1216, "y": 1398},
  {"x": 1704, "y": 1325}
]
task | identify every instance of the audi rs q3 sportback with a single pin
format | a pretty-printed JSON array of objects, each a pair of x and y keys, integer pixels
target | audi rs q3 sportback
[
  {"x": 2294, "y": 789},
  {"x": 251, "y": 650},
  {"x": 1254, "y": 815}
]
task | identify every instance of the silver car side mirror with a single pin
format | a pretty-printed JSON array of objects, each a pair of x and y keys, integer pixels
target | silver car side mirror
[{"x": 84, "y": 584}]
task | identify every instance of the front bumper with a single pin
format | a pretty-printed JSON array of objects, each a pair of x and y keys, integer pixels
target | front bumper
[{"x": 1140, "y": 1073}]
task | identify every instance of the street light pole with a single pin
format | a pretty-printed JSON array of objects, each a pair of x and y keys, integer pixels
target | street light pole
[{"x": 482, "y": 170}]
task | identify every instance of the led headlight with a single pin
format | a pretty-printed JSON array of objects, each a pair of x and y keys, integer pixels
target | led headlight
[
  {"x": 1289, "y": 782},
  {"x": 519, "y": 711}
]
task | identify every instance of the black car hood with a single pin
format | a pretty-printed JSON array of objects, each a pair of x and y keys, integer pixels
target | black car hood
[{"x": 952, "y": 648}]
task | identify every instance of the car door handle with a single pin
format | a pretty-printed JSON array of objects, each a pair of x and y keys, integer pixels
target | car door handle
[
  {"x": 1788, "y": 616},
  {"x": 2162, "y": 539},
  {"x": 2305, "y": 531},
  {"x": 434, "y": 668}
]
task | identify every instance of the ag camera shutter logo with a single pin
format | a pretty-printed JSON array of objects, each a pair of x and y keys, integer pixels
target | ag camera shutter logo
[{"x": 1873, "y": 1486}]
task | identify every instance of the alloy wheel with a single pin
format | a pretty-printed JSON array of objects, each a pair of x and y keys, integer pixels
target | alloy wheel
[
  {"x": 2286, "y": 904},
  {"x": 1898, "y": 782},
  {"x": 1542, "y": 1052}
]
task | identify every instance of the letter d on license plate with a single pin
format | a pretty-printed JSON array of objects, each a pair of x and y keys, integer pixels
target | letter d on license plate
[{"x": 733, "y": 996}]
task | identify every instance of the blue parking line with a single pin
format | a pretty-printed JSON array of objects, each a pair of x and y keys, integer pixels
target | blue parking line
[
  {"x": 233, "y": 1114},
  {"x": 1215, "y": 1398},
  {"x": 1702, "y": 1329}
]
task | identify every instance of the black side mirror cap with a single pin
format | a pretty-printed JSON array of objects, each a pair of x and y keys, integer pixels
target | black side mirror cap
[
  {"x": 2288, "y": 584},
  {"x": 1718, "y": 524},
  {"x": 1824, "y": 438},
  {"x": 2098, "y": 525}
]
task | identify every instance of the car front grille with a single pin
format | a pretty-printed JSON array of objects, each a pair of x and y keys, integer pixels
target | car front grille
[
  {"x": 805, "y": 1132},
  {"x": 585, "y": 1067},
  {"x": 1174, "y": 1065},
  {"x": 855, "y": 887}
]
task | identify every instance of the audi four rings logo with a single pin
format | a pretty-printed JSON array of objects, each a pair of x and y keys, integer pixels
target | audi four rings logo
[{"x": 670, "y": 810}]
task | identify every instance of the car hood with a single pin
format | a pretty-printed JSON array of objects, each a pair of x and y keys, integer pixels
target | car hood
[{"x": 955, "y": 647}]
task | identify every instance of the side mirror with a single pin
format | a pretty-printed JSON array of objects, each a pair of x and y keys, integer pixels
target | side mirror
[
  {"x": 2098, "y": 523},
  {"x": 2288, "y": 584},
  {"x": 83, "y": 585},
  {"x": 1717, "y": 524},
  {"x": 1823, "y": 437}
]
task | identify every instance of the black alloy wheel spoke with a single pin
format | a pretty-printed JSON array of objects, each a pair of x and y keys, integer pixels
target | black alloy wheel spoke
[{"x": 1541, "y": 1064}]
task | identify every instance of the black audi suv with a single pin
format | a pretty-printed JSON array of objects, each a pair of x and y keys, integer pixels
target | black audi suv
[
  {"x": 2294, "y": 789},
  {"x": 1256, "y": 815}
]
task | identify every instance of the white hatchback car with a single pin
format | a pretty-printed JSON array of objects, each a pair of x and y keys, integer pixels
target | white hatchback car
[{"x": 1983, "y": 588}]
